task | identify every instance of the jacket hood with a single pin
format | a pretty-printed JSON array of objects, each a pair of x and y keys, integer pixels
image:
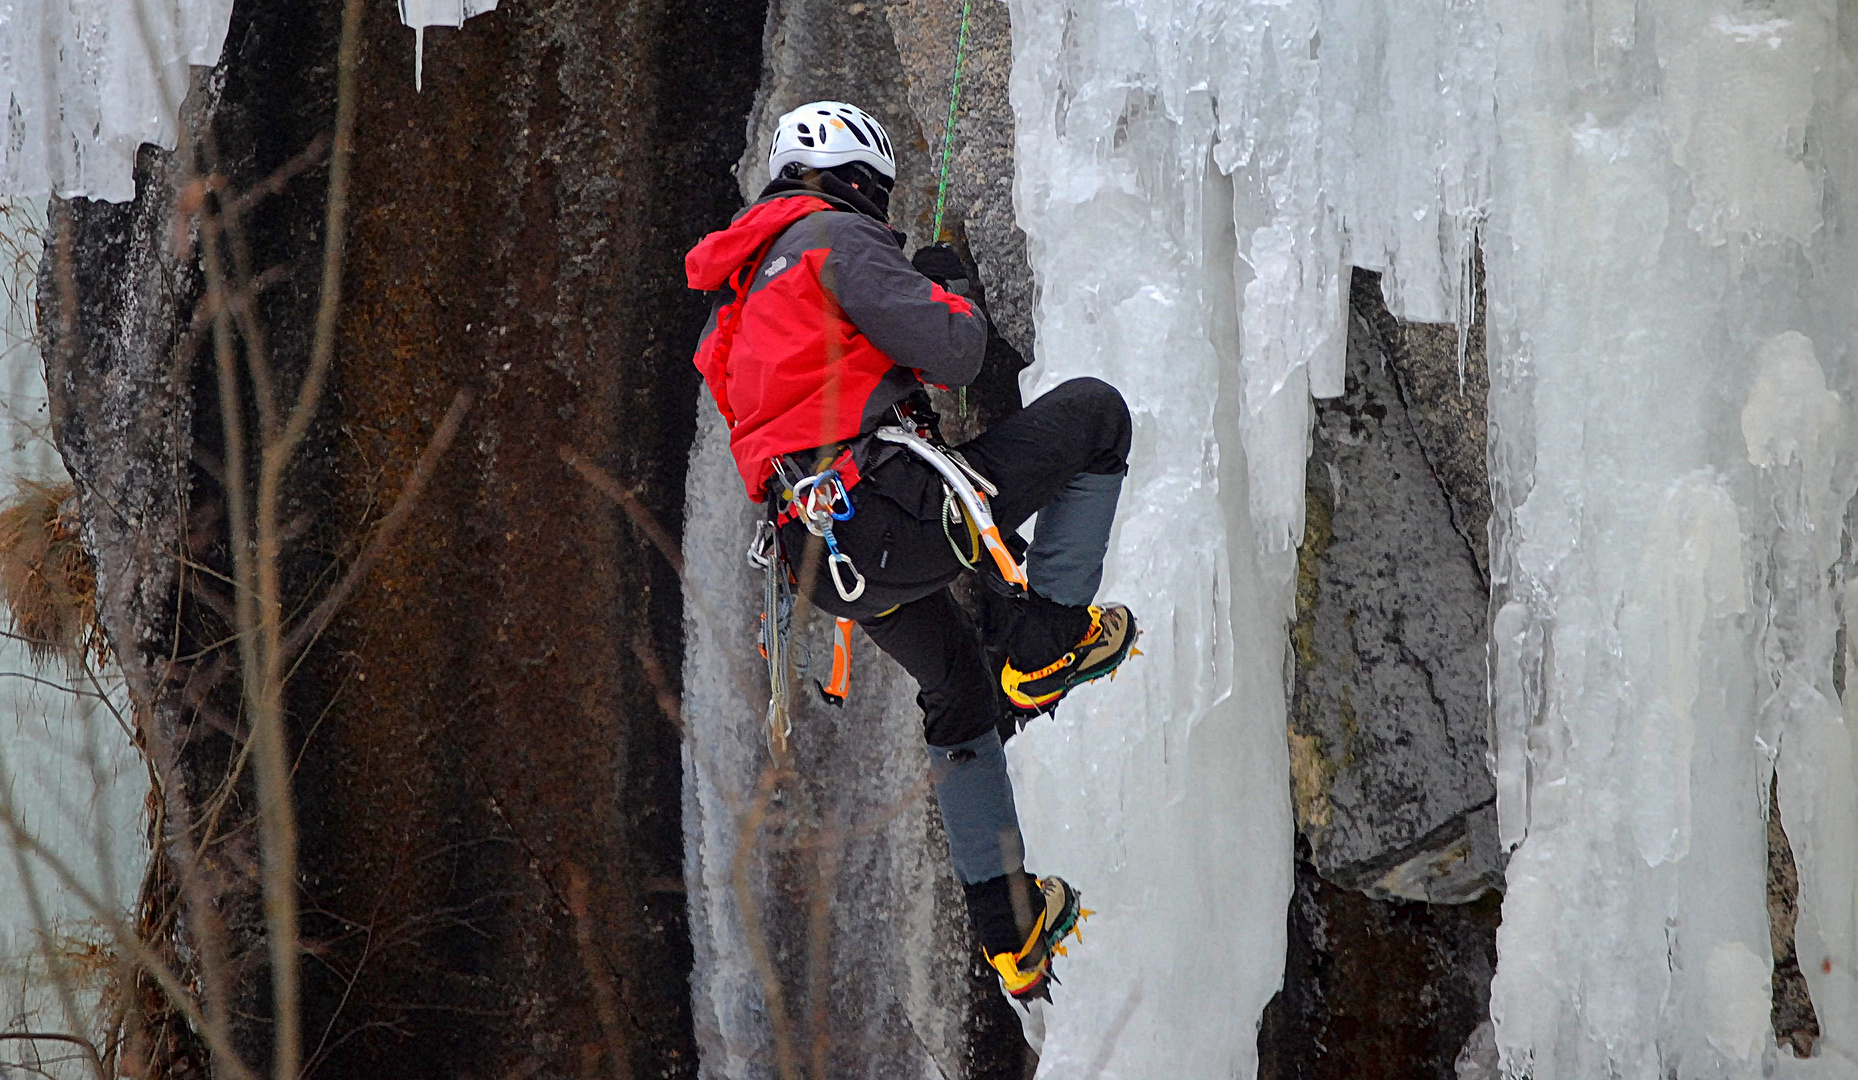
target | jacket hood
[{"x": 708, "y": 265}]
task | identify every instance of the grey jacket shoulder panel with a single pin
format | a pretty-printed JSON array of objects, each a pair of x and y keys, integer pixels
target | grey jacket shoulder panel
[{"x": 893, "y": 305}]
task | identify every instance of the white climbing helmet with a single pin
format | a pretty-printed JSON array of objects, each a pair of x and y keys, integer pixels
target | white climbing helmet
[{"x": 822, "y": 134}]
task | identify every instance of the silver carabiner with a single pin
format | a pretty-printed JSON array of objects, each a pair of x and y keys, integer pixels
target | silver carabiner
[
  {"x": 761, "y": 550},
  {"x": 832, "y": 567}
]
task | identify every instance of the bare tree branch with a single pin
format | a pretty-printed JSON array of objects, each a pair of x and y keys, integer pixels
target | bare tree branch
[
  {"x": 628, "y": 502},
  {"x": 389, "y": 528}
]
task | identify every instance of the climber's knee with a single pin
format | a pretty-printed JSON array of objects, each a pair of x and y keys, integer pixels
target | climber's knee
[
  {"x": 950, "y": 719},
  {"x": 1103, "y": 416}
]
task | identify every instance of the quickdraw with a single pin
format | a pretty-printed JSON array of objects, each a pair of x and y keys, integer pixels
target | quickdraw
[{"x": 814, "y": 502}]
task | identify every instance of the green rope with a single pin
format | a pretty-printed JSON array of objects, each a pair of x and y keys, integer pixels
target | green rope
[
  {"x": 948, "y": 130},
  {"x": 948, "y": 150}
]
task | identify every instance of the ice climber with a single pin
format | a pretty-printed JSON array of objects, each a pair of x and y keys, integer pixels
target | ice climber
[{"x": 821, "y": 338}]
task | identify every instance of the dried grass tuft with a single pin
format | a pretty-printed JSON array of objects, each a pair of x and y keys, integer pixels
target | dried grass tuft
[{"x": 46, "y": 578}]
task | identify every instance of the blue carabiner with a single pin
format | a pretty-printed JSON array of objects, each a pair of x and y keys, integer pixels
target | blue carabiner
[{"x": 847, "y": 496}]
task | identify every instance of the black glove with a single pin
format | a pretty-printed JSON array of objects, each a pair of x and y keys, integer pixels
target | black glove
[{"x": 940, "y": 264}]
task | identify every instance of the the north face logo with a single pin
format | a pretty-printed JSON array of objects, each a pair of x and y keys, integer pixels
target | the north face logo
[{"x": 775, "y": 267}]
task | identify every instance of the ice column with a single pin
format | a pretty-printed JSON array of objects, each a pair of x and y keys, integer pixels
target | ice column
[
  {"x": 1670, "y": 268},
  {"x": 87, "y": 83},
  {"x": 1194, "y": 180}
]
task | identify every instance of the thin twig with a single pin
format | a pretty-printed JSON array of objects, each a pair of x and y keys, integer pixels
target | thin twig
[
  {"x": 611, "y": 488},
  {"x": 606, "y": 995},
  {"x": 124, "y": 935},
  {"x": 96, "y": 1059},
  {"x": 389, "y": 527}
]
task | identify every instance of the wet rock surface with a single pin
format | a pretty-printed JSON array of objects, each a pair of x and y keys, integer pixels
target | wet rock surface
[{"x": 488, "y": 760}]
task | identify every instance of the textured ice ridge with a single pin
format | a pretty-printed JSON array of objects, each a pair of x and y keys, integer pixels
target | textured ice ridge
[{"x": 1660, "y": 188}]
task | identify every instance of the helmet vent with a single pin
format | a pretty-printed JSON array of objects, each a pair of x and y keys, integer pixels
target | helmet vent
[{"x": 856, "y": 134}]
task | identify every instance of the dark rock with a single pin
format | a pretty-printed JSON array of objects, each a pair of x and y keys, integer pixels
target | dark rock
[
  {"x": 1445, "y": 391},
  {"x": 1796, "y": 1022},
  {"x": 1376, "y": 989},
  {"x": 1389, "y": 717}
]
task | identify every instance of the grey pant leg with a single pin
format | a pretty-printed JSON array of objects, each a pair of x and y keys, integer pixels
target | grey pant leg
[
  {"x": 977, "y": 808},
  {"x": 1065, "y": 563}
]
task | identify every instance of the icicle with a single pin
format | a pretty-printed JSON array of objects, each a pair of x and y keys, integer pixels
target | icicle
[
  {"x": 86, "y": 90},
  {"x": 419, "y": 14}
]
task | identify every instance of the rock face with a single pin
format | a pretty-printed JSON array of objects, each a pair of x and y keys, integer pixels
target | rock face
[
  {"x": 795, "y": 874},
  {"x": 1393, "y": 928},
  {"x": 488, "y": 761},
  {"x": 1389, "y": 713}
]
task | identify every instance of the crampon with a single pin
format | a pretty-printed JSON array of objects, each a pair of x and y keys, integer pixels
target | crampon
[
  {"x": 1110, "y": 640},
  {"x": 1027, "y": 974}
]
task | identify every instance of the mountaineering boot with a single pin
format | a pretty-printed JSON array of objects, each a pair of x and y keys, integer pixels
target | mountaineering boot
[
  {"x": 1109, "y": 640},
  {"x": 1026, "y": 971}
]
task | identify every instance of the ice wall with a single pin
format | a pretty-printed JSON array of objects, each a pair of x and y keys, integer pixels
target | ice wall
[
  {"x": 1671, "y": 315},
  {"x": 1670, "y": 266},
  {"x": 67, "y": 769},
  {"x": 87, "y": 82}
]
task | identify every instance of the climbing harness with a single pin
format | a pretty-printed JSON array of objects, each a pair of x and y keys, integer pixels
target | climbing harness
[
  {"x": 821, "y": 501},
  {"x": 969, "y": 488}
]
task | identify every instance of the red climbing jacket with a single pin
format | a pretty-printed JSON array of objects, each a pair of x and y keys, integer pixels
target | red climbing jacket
[{"x": 819, "y": 326}]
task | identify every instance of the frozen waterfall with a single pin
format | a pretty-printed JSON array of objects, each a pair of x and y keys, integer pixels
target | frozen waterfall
[
  {"x": 68, "y": 771},
  {"x": 87, "y": 82},
  {"x": 1671, "y": 272},
  {"x": 1660, "y": 189}
]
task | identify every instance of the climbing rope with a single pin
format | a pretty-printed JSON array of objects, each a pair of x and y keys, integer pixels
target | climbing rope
[
  {"x": 948, "y": 129},
  {"x": 948, "y": 150}
]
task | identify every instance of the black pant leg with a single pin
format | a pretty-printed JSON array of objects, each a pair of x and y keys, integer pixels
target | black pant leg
[
  {"x": 937, "y": 643},
  {"x": 1080, "y": 426}
]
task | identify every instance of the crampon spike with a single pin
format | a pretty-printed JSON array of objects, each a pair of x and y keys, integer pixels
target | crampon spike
[
  {"x": 1133, "y": 651},
  {"x": 1060, "y": 950}
]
